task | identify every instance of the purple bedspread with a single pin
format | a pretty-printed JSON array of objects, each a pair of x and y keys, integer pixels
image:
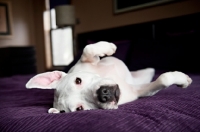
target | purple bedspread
[{"x": 173, "y": 109}]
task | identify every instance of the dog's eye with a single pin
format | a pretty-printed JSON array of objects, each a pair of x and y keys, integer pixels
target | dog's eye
[
  {"x": 78, "y": 80},
  {"x": 79, "y": 108}
]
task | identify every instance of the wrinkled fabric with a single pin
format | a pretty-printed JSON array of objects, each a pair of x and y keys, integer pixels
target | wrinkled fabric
[{"x": 25, "y": 110}]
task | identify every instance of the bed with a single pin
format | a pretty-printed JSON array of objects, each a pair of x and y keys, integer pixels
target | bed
[{"x": 173, "y": 109}]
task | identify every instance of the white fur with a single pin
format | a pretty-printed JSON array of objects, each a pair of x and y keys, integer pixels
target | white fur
[{"x": 95, "y": 73}]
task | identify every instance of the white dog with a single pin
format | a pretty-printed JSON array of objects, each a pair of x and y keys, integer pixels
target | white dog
[{"x": 95, "y": 83}]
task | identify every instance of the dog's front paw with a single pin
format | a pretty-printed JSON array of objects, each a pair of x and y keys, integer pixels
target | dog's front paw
[
  {"x": 109, "y": 48},
  {"x": 101, "y": 48},
  {"x": 184, "y": 80},
  {"x": 178, "y": 78},
  {"x": 53, "y": 110}
]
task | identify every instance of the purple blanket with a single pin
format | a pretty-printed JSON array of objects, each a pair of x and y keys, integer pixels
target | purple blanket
[{"x": 173, "y": 109}]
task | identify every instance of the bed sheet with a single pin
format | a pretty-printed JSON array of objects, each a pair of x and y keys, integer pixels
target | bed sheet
[{"x": 172, "y": 109}]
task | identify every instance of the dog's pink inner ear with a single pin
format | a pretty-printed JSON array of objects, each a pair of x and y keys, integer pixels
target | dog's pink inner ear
[
  {"x": 45, "y": 80},
  {"x": 48, "y": 78}
]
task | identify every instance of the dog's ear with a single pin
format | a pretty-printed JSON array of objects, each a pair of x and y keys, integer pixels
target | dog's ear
[{"x": 47, "y": 80}]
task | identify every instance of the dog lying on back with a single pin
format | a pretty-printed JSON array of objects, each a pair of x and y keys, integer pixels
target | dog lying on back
[{"x": 94, "y": 83}]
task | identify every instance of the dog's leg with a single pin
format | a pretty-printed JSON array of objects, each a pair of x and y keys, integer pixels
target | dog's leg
[
  {"x": 92, "y": 52},
  {"x": 164, "y": 81},
  {"x": 143, "y": 76}
]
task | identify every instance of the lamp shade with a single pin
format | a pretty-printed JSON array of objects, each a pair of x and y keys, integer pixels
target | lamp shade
[{"x": 65, "y": 15}]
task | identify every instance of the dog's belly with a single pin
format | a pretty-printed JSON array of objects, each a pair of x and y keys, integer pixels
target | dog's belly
[{"x": 108, "y": 67}]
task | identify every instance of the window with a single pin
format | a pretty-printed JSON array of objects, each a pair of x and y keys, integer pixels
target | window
[
  {"x": 58, "y": 41},
  {"x": 61, "y": 43},
  {"x": 62, "y": 50}
]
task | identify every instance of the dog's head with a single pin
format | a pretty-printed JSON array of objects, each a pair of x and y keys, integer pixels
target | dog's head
[{"x": 78, "y": 91}]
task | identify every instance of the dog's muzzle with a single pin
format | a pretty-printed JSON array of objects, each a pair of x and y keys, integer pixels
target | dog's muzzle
[{"x": 107, "y": 94}]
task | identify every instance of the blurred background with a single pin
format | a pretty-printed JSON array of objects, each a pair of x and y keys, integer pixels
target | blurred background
[{"x": 35, "y": 43}]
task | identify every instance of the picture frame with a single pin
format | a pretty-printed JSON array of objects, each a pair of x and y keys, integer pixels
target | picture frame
[
  {"x": 6, "y": 31},
  {"x": 121, "y": 6}
]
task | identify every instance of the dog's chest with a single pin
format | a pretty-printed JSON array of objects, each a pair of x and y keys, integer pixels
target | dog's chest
[
  {"x": 102, "y": 69},
  {"x": 108, "y": 67}
]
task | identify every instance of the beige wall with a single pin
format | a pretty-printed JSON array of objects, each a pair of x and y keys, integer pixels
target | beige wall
[
  {"x": 27, "y": 21},
  {"x": 22, "y": 22},
  {"x": 98, "y": 14}
]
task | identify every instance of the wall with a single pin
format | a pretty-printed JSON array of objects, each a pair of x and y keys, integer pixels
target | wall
[
  {"x": 28, "y": 28},
  {"x": 38, "y": 9},
  {"x": 23, "y": 26},
  {"x": 98, "y": 14}
]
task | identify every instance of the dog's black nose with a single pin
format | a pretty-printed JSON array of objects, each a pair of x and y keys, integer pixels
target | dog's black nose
[
  {"x": 104, "y": 94},
  {"x": 108, "y": 93}
]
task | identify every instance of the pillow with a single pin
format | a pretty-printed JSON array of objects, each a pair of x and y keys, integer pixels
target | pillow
[{"x": 163, "y": 55}]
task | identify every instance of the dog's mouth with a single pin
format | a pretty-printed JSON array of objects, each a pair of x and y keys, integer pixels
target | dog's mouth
[{"x": 117, "y": 94}]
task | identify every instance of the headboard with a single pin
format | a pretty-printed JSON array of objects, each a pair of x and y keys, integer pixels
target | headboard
[
  {"x": 168, "y": 44},
  {"x": 17, "y": 60}
]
